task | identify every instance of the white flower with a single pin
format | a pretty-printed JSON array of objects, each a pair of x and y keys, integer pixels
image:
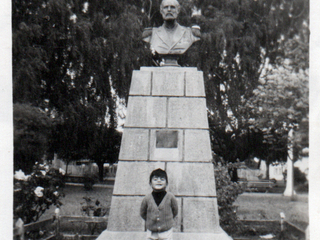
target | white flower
[
  {"x": 153, "y": 51},
  {"x": 73, "y": 18},
  {"x": 39, "y": 191},
  {"x": 43, "y": 172},
  {"x": 19, "y": 175},
  {"x": 57, "y": 211},
  {"x": 56, "y": 193},
  {"x": 46, "y": 168},
  {"x": 63, "y": 172}
]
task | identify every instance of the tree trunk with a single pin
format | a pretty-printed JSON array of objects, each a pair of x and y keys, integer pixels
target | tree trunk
[
  {"x": 289, "y": 191},
  {"x": 268, "y": 169},
  {"x": 67, "y": 164},
  {"x": 100, "y": 167}
]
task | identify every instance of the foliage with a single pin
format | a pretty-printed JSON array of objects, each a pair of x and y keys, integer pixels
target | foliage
[
  {"x": 69, "y": 59},
  {"x": 35, "y": 193},
  {"x": 299, "y": 177},
  {"x": 93, "y": 208},
  {"x": 239, "y": 39},
  {"x": 278, "y": 104},
  {"x": 104, "y": 147},
  {"x": 32, "y": 128},
  {"x": 88, "y": 181},
  {"x": 75, "y": 58},
  {"x": 227, "y": 193}
]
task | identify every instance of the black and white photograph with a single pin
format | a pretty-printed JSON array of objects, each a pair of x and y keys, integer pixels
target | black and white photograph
[{"x": 160, "y": 119}]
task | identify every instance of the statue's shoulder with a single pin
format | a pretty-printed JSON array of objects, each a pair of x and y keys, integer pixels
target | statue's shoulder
[
  {"x": 146, "y": 34},
  {"x": 192, "y": 31},
  {"x": 195, "y": 29}
]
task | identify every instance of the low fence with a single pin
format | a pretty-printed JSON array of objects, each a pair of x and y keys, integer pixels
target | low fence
[
  {"x": 61, "y": 227},
  {"x": 271, "y": 229},
  {"x": 87, "y": 228}
]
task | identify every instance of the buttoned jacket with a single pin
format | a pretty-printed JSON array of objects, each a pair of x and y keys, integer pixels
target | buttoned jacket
[{"x": 159, "y": 218}]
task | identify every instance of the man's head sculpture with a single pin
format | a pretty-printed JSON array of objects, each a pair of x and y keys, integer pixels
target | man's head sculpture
[
  {"x": 169, "y": 9},
  {"x": 170, "y": 39}
]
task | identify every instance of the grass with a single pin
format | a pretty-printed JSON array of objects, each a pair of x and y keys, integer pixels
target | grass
[
  {"x": 73, "y": 200},
  {"x": 264, "y": 206},
  {"x": 251, "y": 206}
]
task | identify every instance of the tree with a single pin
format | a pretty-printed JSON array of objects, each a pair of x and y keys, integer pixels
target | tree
[
  {"x": 32, "y": 128},
  {"x": 240, "y": 39},
  {"x": 78, "y": 53},
  {"x": 70, "y": 58},
  {"x": 280, "y": 103},
  {"x": 105, "y": 147},
  {"x": 35, "y": 193}
]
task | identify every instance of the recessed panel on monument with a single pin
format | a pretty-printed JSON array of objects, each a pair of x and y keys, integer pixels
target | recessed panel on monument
[{"x": 166, "y": 145}]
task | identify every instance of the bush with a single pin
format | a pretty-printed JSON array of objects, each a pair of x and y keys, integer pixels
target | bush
[
  {"x": 299, "y": 177},
  {"x": 89, "y": 180},
  {"x": 35, "y": 193},
  {"x": 227, "y": 193},
  {"x": 93, "y": 208}
]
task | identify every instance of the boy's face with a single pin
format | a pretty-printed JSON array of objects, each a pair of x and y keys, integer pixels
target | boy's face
[{"x": 158, "y": 184}]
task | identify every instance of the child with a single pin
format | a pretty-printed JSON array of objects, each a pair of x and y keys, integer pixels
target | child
[{"x": 159, "y": 208}]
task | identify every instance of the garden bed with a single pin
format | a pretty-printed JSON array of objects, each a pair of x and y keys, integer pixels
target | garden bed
[
  {"x": 258, "y": 213},
  {"x": 253, "y": 229}
]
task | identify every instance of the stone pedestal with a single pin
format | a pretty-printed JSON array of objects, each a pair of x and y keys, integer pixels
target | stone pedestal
[{"x": 166, "y": 127}]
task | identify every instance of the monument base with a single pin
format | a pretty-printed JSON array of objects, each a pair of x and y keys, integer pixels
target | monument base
[
  {"x": 109, "y": 235},
  {"x": 166, "y": 127}
]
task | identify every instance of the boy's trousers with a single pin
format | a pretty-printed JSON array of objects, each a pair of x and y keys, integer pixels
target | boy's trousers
[{"x": 167, "y": 235}]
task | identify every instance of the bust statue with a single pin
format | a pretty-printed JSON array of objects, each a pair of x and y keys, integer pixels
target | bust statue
[{"x": 171, "y": 38}]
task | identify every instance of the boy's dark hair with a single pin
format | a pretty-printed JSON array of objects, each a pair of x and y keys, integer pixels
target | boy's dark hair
[{"x": 159, "y": 173}]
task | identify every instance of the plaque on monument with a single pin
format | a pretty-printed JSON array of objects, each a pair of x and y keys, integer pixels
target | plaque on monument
[{"x": 166, "y": 139}]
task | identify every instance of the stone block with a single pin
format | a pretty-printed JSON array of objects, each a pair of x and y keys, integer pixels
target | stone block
[
  {"x": 165, "y": 154},
  {"x": 140, "y": 83},
  {"x": 134, "y": 144},
  {"x": 169, "y": 69},
  {"x": 113, "y": 235},
  {"x": 168, "y": 83},
  {"x": 195, "y": 84},
  {"x": 200, "y": 215},
  {"x": 133, "y": 177},
  {"x": 197, "y": 146},
  {"x": 146, "y": 112},
  {"x": 125, "y": 214},
  {"x": 177, "y": 220},
  {"x": 187, "y": 113},
  {"x": 191, "y": 179},
  {"x": 219, "y": 235},
  {"x": 109, "y": 235}
]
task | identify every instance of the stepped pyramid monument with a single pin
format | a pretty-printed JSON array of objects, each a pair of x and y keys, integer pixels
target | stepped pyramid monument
[{"x": 166, "y": 127}]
